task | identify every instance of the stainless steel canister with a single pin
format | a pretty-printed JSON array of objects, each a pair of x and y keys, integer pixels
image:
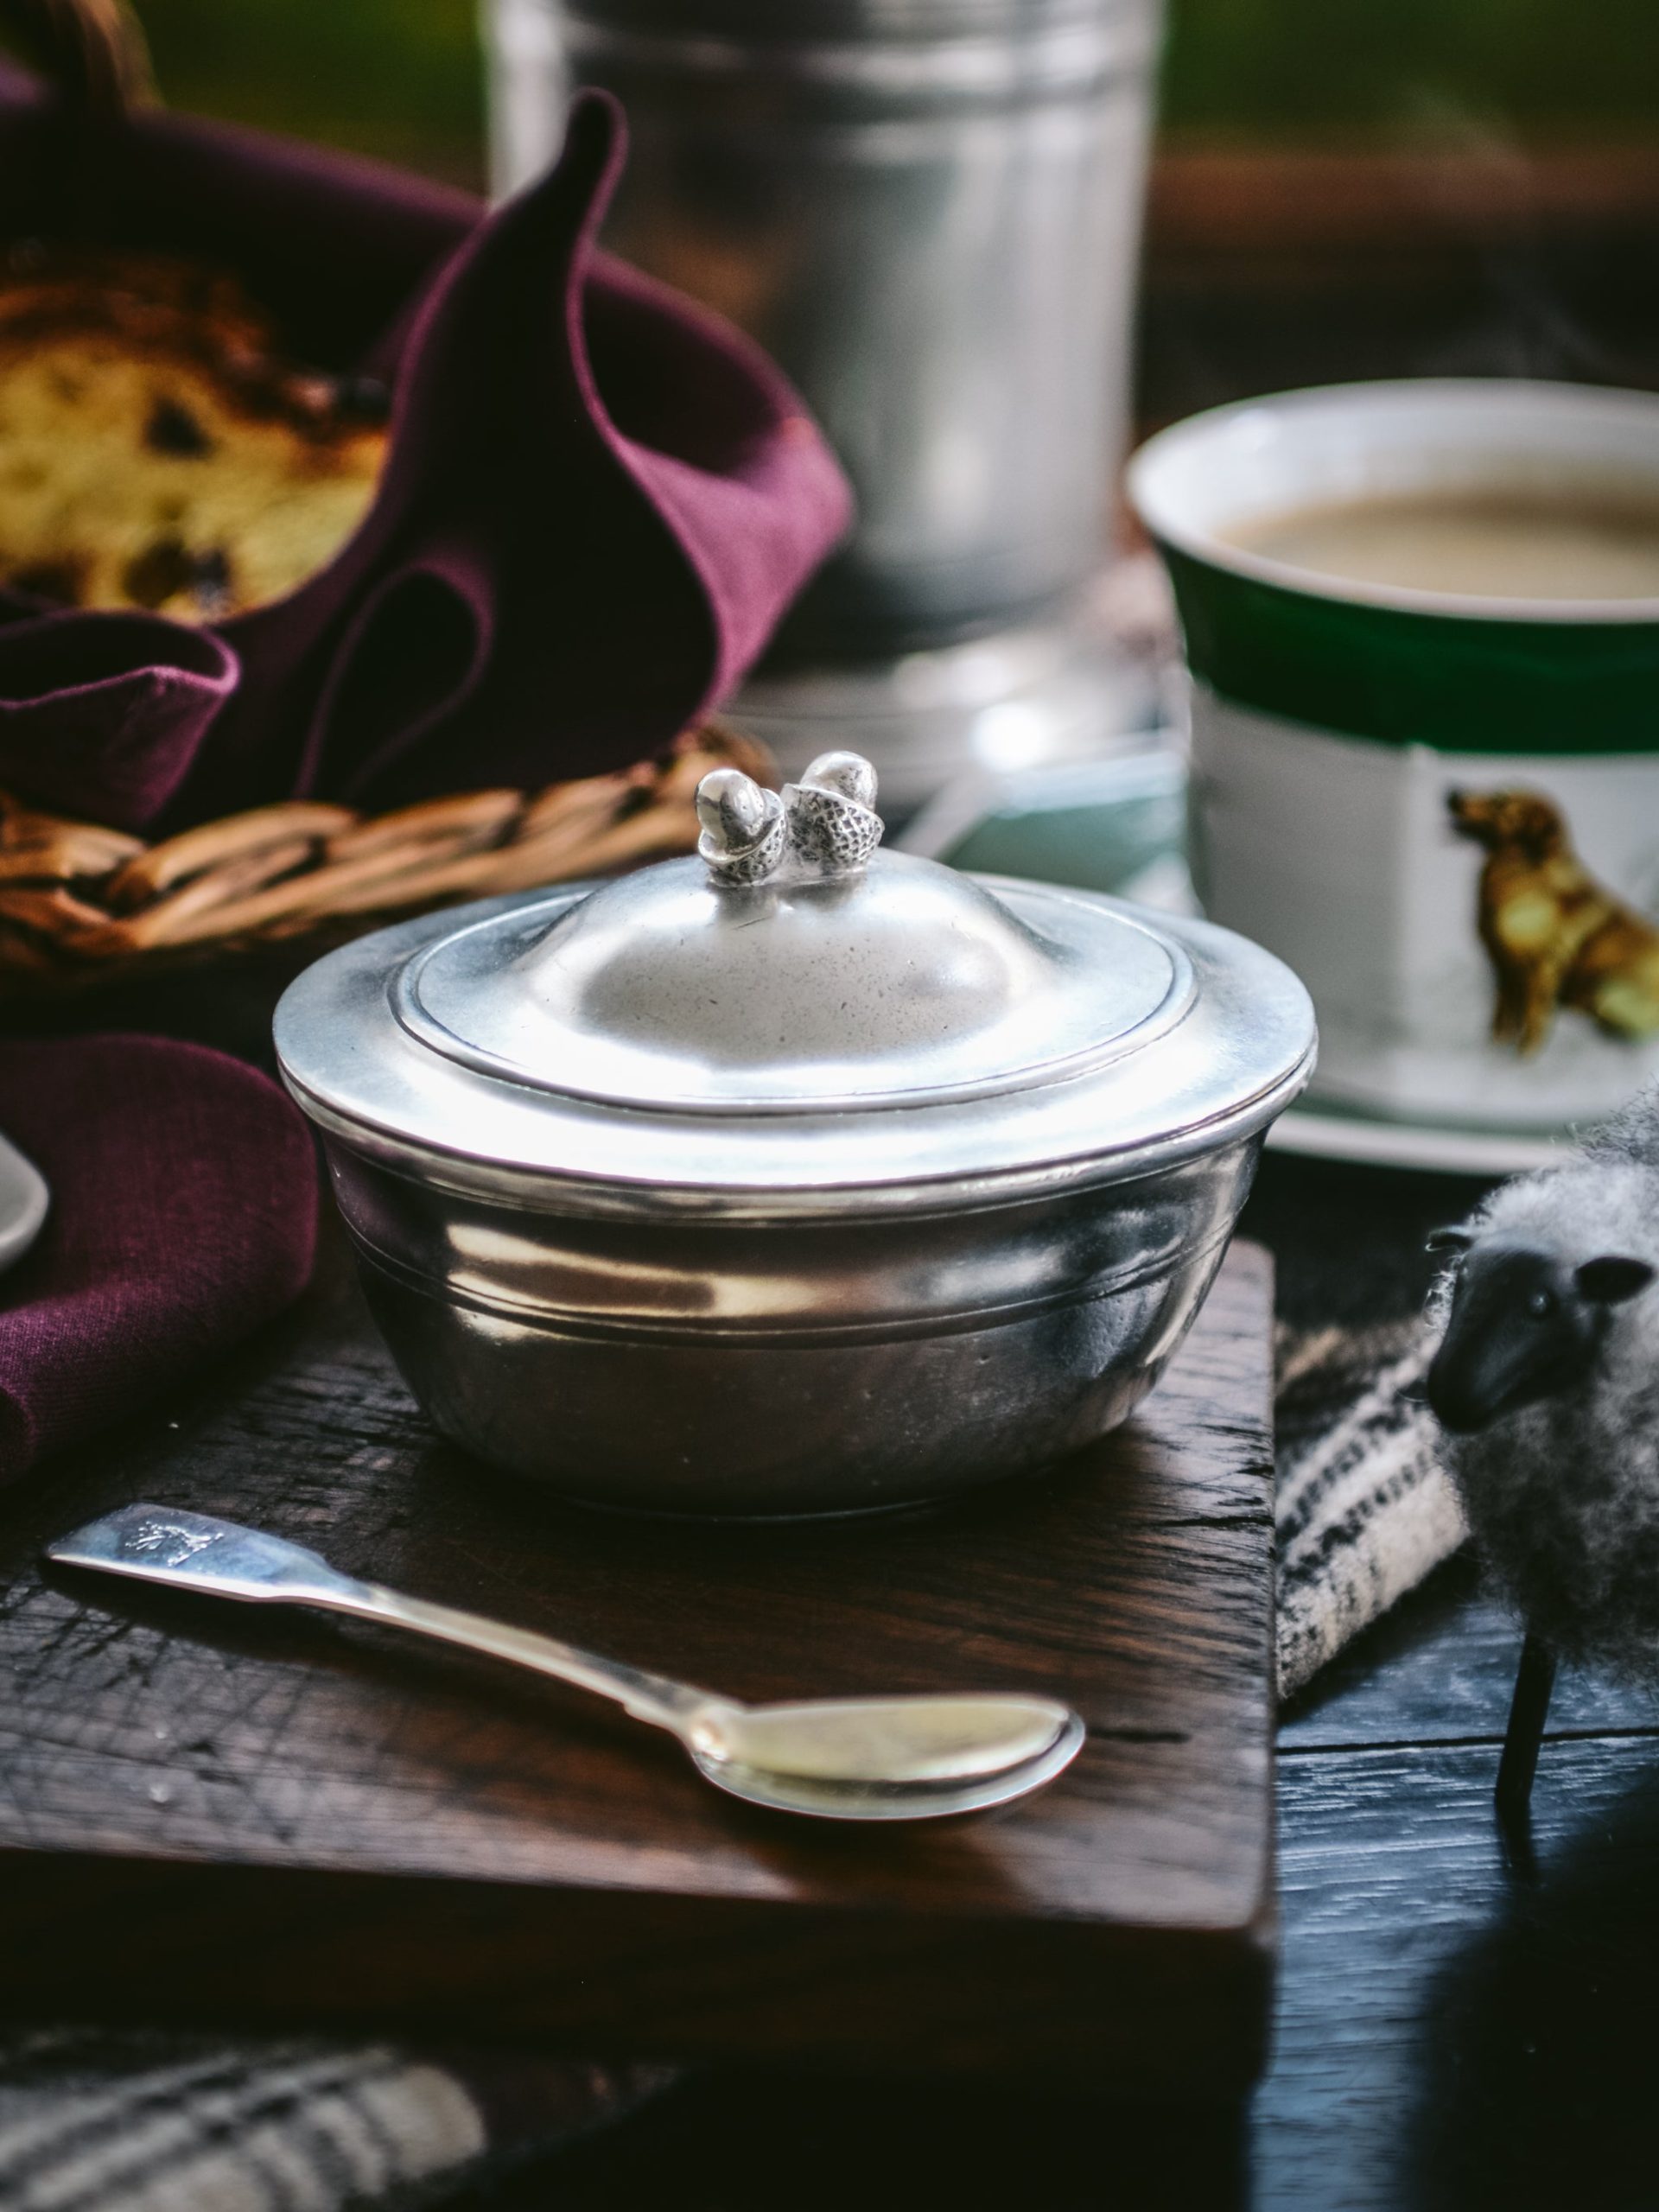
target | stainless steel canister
[{"x": 928, "y": 212}]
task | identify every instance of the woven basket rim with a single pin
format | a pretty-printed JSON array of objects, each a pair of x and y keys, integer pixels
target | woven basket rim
[{"x": 81, "y": 903}]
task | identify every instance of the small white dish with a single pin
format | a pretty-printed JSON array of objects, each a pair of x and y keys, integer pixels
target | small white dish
[
  {"x": 24, "y": 1200},
  {"x": 1317, "y": 1133}
]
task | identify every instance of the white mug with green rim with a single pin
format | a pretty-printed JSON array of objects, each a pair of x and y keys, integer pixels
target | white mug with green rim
[{"x": 1440, "y": 808}]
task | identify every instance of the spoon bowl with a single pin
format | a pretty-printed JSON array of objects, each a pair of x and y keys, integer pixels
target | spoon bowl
[
  {"x": 877, "y": 1739},
  {"x": 823, "y": 1799}
]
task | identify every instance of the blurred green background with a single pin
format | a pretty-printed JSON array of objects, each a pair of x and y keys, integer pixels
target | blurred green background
[
  {"x": 397, "y": 78},
  {"x": 401, "y": 78},
  {"x": 1400, "y": 72}
]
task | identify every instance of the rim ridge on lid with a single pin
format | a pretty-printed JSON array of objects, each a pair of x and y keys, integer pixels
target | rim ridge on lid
[
  {"x": 1246, "y": 1048},
  {"x": 809, "y": 1028},
  {"x": 656, "y": 994}
]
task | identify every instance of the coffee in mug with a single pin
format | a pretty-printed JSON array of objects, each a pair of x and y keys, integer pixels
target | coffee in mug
[{"x": 1495, "y": 544}]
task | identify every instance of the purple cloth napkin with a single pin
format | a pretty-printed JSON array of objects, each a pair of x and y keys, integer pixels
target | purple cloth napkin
[
  {"x": 598, "y": 501},
  {"x": 184, "y": 1212}
]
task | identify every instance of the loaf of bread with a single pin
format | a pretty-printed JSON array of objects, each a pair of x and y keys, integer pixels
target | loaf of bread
[{"x": 156, "y": 451}]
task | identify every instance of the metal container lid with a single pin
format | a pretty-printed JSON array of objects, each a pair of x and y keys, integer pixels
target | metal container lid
[{"x": 793, "y": 1021}]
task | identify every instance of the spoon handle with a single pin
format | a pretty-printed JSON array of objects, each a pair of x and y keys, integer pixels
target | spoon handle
[
  {"x": 196, "y": 1551},
  {"x": 654, "y": 1698}
]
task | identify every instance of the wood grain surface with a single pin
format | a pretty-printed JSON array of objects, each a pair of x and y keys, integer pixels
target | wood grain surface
[
  {"x": 1462, "y": 2023},
  {"x": 213, "y": 1814},
  {"x": 1456, "y": 2031},
  {"x": 1460, "y": 2028}
]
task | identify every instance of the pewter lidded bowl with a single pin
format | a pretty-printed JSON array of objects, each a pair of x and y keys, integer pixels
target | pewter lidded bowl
[{"x": 796, "y": 1178}]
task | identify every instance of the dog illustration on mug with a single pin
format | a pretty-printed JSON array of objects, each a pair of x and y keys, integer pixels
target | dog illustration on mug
[{"x": 1555, "y": 936}]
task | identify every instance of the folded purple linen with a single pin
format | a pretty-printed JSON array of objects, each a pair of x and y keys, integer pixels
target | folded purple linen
[
  {"x": 598, "y": 500},
  {"x": 184, "y": 1212}
]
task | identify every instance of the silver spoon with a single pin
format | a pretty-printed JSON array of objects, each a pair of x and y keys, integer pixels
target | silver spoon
[{"x": 877, "y": 1758}]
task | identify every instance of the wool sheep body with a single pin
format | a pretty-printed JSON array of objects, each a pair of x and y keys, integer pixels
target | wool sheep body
[{"x": 1548, "y": 1381}]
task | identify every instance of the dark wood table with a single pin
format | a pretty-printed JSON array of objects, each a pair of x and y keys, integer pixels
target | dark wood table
[
  {"x": 1453, "y": 2029},
  {"x": 1461, "y": 2022},
  {"x": 236, "y": 1817},
  {"x": 1457, "y": 2024}
]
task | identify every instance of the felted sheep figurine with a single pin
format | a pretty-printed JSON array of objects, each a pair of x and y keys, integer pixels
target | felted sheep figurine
[{"x": 1546, "y": 1383}]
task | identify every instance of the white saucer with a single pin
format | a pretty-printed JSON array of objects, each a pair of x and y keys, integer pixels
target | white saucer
[
  {"x": 23, "y": 1202},
  {"x": 1322, "y": 1132}
]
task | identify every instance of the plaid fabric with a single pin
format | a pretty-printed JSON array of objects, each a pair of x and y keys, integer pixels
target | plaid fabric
[
  {"x": 1364, "y": 1508},
  {"x": 92, "y": 2121}
]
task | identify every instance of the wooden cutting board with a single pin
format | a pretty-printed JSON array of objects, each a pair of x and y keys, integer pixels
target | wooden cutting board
[{"x": 211, "y": 1814}]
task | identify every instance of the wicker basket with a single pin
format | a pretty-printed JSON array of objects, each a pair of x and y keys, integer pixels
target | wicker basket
[{"x": 80, "y": 905}]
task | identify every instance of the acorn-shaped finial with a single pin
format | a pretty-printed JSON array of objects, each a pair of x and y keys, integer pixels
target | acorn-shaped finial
[
  {"x": 832, "y": 816},
  {"x": 744, "y": 832}
]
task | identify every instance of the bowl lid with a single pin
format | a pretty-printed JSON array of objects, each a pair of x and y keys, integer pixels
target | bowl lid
[{"x": 792, "y": 1013}]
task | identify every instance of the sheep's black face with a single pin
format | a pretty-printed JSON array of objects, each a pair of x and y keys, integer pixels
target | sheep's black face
[{"x": 1524, "y": 1325}]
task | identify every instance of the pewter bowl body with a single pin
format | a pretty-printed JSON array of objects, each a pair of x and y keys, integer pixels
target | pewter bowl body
[{"x": 816, "y": 1193}]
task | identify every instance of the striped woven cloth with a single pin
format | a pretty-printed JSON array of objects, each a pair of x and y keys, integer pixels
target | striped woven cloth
[
  {"x": 1364, "y": 1508},
  {"x": 92, "y": 2121}
]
